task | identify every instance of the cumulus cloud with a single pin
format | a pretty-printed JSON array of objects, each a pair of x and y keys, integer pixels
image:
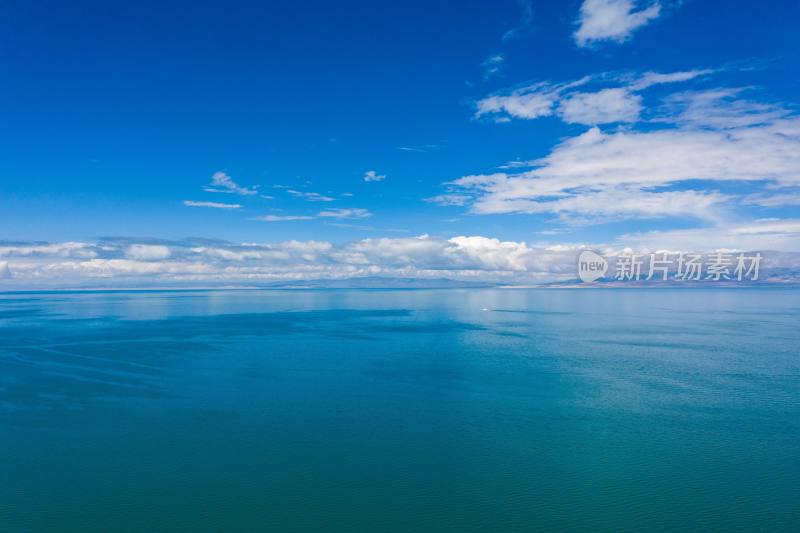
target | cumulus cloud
[
  {"x": 215, "y": 205},
  {"x": 463, "y": 257},
  {"x": 371, "y": 175},
  {"x": 221, "y": 182},
  {"x": 528, "y": 102},
  {"x": 147, "y": 252},
  {"x": 612, "y": 20},
  {"x": 601, "y": 107}
]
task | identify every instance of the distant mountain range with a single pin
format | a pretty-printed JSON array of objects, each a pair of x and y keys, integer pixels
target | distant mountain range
[
  {"x": 373, "y": 282},
  {"x": 376, "y": 282}
]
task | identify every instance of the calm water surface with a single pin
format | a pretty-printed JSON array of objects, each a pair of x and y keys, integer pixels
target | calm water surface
[{"x": 400, "y": 410}]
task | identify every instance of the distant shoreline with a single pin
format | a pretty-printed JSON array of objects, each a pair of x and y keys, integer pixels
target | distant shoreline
[{"x": 575, "y": 286}]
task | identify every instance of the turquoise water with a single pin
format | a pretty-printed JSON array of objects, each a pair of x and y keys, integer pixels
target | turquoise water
[{"x": 400, "y": 410}]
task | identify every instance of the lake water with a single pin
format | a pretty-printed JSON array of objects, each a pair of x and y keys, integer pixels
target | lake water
[{"x": 400, "y": 410}]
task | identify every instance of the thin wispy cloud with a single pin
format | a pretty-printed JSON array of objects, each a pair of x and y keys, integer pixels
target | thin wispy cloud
[
  {"x": 221, "y": 182},
  {"x": 493, "y": 66},
  {"x": 525, "y": 21},
  {"x": 790, "y": 198},
  {"x": 362, "y": 227},
  {"x": 719, "y": 108},
  {"x": 310, "y": 196},
  {"x": 282, "y": 218},
  {"x": 449, "y": 199},
  {"x": 63, "y": 249},
  {"x": 421, "y": 149},
  {"x": 595, "y": 99},
  {"x": 345, "y": 213},
  {"x": 215, "y": 205}
]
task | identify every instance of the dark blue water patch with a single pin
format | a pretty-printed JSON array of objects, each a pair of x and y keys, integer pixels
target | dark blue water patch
[
  {"x": 22, "y": 312},
  {"x": 107, "y": 329},
  {"x": 80, "y": 359},
  {"x": 433, "y": 327}
]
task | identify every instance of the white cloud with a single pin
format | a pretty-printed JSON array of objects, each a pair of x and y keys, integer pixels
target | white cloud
[
  {"x": 215, "y": 205},
  {"x": 147, "y": 252},
  {"x": 463, "y": 257},
  {"x": 355, "y": 212},
  {"x": 615, "y": 204},
  {"x": 64, "y": 249},
  {"x": 648, "y": 79},
  {"x": 719, "y": 109},
  {"x": 529, "y": 102},
  {"x": 277, "y": 218},
  {"x": 769, "y": 152},
  {"x": 602, "y": 107},
  {"x": 449, "y": 199},
  {"x": 492, "y": 254},
  {"x": 604, "y": 174},
  {"x": 466, "y": 257},
  {"x": 371, "y": 175},
  {"x": 310, "y": 196},
  {"x": 764, "y": 234},
  {"x": 221, "y": 182},
  {"x": 227, "y": 254},
  {"x": 343, "y": 213},
  {"x": 778, "y": 199},
  {"x": 425, "y": 148},
  {"x": 612, "y": 20},
  {"x": 621, "y": 102},
  {"x": 526, "y": 19},
  {"x": 492, "y": 66}
]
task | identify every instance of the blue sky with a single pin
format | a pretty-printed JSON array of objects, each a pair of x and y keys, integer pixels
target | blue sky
[{"x": 616, "y": 123}]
